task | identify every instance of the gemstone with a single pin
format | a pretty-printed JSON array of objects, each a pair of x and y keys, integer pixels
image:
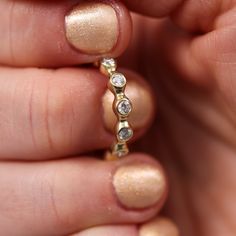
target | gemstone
[
  {"x": 122, "y": 153},
  {"x": 124, "y": 107},
  {"x": 120, "y": 149},
  {"x": 108, "y": 63},
  {"x": 125, "y": 133},
  {"x": 118, "y": 80}
]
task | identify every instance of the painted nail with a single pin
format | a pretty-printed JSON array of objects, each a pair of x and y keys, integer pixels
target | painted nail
[
  {"x": 139, "y": 186},
  {"x": 92, "y": 27},
  {"x": 143, "y": 106},
  {"x": 159, "y": 227}
]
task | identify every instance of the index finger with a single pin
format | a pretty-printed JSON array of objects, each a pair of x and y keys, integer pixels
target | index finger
[{"x": 61, "y": 33}]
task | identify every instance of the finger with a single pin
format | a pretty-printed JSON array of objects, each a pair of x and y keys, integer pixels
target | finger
[
  {"x": 114, "y": 230},
  {"x": 159, "y": 226},
  {"x": 201, "y": 58},
  {"x": 191, "y": 15},
  {"x": 153, "y": 8},
  {"x": 66, "y": 196},
  {"x": 143, "y": 103},
  {"x": 37, "y": 33},
  {"x": 51, "y": 114},
  {"x": 207, "y": 61}
]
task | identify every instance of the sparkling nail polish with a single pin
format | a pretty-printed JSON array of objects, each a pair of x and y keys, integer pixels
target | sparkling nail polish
[
  {"x": 139, "y": 186},
  {"x": 92, "y": 27}
]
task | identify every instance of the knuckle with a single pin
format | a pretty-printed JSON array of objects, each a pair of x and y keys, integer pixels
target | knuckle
[
  {"x": 55, "y": 112},
  {"x": 50, "y": 198}
]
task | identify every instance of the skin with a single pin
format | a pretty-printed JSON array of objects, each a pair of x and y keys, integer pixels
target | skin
[
  {"x": 190, "y": 62},
  {"x": 50, "y": 185}
]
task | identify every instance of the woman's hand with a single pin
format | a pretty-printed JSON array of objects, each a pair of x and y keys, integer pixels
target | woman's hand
[
  {"x": 50, "y": 118},
  {"x": 47, "y": 114},
  {"x": 190, "y": 62}
]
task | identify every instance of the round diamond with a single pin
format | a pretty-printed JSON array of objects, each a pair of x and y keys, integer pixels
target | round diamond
[
  {"x": 125, "y": 134},
  {"x": 118, "y": 80},
  {"x": 109, "y": 62},
  {"x": 122, "y": 153},
  {"x": 124, "y": 107}
]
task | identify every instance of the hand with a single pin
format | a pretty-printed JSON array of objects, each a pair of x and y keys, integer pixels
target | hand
[
  {"x": 51, "y": 120},
  {"x": 190, "y": 62}
]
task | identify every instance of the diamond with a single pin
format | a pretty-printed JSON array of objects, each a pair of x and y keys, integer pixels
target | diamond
[
  {"x": 125, "y": 134},
  {"x": 122, "y": 153},
  {"x": 120, "y": 149},
  {"x": 108, "y": 63},
  {"x": 124, "y": 107},
  {"x": 118, "y": 80}
]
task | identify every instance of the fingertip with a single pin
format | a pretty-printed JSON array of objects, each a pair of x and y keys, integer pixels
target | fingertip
[
  {"x": 95, "y": 29},
  {"x": 153, "y": 8},
  {"x": 125, "y": 28},
  {"x": 114, "y": 230},
  {"x": 64, "y": 33},
  {"x": 140, "y": 183},
  {"x": 98, "y": 28},
  {"x": 159, "y": 226},
  {"x": 143, "y": 103}
]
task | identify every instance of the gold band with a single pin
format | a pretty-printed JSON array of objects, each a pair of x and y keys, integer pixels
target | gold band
[{"x": 122, "y": 107}]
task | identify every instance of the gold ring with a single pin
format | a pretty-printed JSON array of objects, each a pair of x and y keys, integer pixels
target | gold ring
[{"x": 122, "y": 108}]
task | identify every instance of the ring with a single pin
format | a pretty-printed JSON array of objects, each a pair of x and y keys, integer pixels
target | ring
[{"x": 122, "y": 108}]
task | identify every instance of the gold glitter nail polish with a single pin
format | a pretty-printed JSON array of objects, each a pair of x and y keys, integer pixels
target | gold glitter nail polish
[
  {"x": 139, "y": 185},
  {"x": 92, "y": 27}
]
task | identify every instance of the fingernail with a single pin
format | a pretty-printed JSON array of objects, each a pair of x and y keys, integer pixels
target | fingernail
[
  {"x": 159, "y": 227},
  {"x": 139, "y": 186},
  {"x": 143, "y": 106},
  {"x": 92, "y": 27}
]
